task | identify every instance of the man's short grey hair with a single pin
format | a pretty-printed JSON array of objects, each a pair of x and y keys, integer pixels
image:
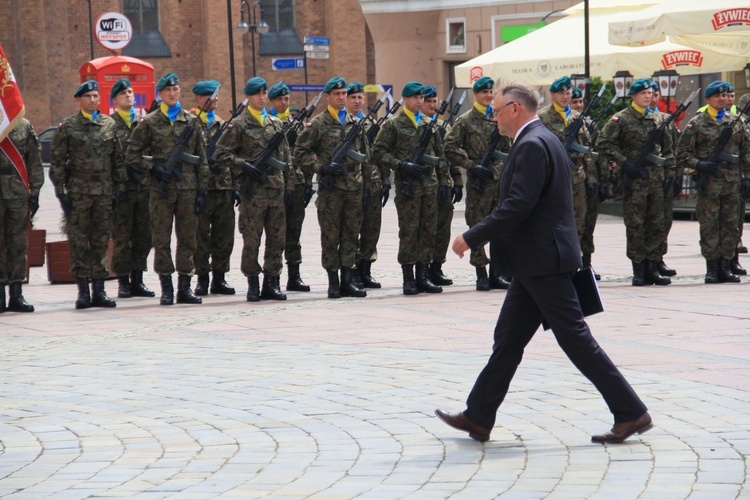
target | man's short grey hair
[{"x": 526, "y": 96}]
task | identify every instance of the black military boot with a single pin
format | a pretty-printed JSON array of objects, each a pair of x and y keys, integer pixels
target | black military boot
[
  {"x": 167, "y": 290},
  {"x": 16, "y": 302},
  {"x": 365, "y": 273},
  {"x": 437, "y": 275},
  {"x": 2, "y": 299},
  {"x": 201, "y": 287},
  {"x": 725, "y": 273},
  {"x": 184, "y": 294},
  {"x": 410, "y": 285},
  {"x": 219, "y": 285},
  {"x": 334, "y": 290},
  {"x": 586, "y": 258},
  {"x": 253, "y": 289},
  {"x": 271, "y": 289},
  {"x": 84, "y": 294},
  {"x": 652, "y": 275},
  {"x": 137, "y": 288},
  {"x": 639, "y": 274},
  {"x": 735, "y": 266},
  {"x": 99, "y": 296},
  {"x": 294, "y": 283},
  {"x": 349, "y": 287},
  {"x": 664, "y": 269},
  {"x": 423, "y": 280},
  {"x": 712, "y": 271},
  {"x": 498, "y": 282},
  {"x": 483, "y": 282},
  {"x": 124, "y": 290}
]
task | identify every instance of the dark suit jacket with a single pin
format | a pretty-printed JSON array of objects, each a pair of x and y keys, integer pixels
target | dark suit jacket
[{"x": 532, "y": 231}]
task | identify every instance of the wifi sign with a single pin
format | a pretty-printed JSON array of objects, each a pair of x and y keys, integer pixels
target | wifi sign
[{"x": 113, "y": 31}]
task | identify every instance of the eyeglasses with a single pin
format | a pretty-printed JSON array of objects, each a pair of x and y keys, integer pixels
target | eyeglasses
[{"x": 505, "y": 105}]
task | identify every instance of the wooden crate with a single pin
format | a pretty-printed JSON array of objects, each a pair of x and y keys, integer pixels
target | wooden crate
[
  {"x": 58, "y": 262},
  {"x": 37, "y": 241}
]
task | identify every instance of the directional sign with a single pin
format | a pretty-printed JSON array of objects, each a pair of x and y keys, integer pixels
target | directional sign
[
  {"x": 318, "y": 55},
  {"x": 317, "y": 48},
  {"x": 291, "y": 63},
  {"x": 306, "y": 88},
  {"x": 318, "y": 40}
]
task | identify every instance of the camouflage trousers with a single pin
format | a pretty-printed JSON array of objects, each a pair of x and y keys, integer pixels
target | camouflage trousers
[
  {"x": 668, "y": 217},
  {"x": 89, "y": 228},
  {"x": 443, "y": 231},
  {"x": 417, "y": 225},
  {"x": 589, "y": 224},
  {"x": 263, "y": 211},
  {"x": 14, "y": 240},
  {"x": 478, "y": 206},
  {"x": 214, "y": 235},
  {"x": 180, "y": 207},
  {"x": 372, "y": 220},
  {"x": 643, "y": 214},
  {"x": 743, "y": 208},
  {"x": 579, "y": 204},
  {"x": 340, "y": 220},
  {"x": 131, "y": 234},
  {"x": 295, "y": 217},
  {"x": 718, "y": 216}
]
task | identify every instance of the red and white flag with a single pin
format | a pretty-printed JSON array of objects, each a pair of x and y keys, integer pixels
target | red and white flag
[{"x": 11, "y": 112}]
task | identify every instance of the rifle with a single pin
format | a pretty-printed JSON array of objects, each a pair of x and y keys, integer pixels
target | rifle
[
  {"x": 570, "y": 140},
  {"x": 372, "y": 133},
  {"x": 345, "y": 150},
  {"x": 419, "y": 155},
  {"x": 266, "y": 156},
  {"x": 134, "y": 176},
  {"x": 303, "y": 115},
  {"x": 154, "y": 106},
  {"x": 592, "y": 126},
  {"x": 453, "y": 112},
  {"x": 211, "y": 147},
  {"x": 491, "y": 154}
]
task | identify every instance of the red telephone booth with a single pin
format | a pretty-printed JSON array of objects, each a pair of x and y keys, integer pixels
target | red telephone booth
[{"x": 107, "y": 70}]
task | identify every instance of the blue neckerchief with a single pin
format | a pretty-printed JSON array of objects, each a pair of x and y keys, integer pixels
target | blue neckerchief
[
  {"x": 274, "y": 112},
  {"x": 132, "y": 116},
  {"x": 264, "y": 114},
  {"x": 210, "y": 118},
  {"x": 646, "y": 111},
  {"x": 361, "y": 114},
  {"x": 418, "y": 117},
  {"x": 720, "y": 115},
  {"x": 488, "y": 111},
  {"x": 567, "y": 112},
  {"x": 342, "y": 115},
  {"x": 95, "y": 115},
  {"x": 173, "y": 111}
]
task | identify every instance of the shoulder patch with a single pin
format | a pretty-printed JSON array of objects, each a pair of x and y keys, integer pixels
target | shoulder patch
[
  {"x": 689, "y": 125},
  {"x": 615, "y": 118},
  {"x": 59, "y": 126},
  {"x": 230, "y": 126}
]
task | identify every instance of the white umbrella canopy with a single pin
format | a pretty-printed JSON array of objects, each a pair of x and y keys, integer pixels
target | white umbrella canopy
[{"x": 719, "y": 18}]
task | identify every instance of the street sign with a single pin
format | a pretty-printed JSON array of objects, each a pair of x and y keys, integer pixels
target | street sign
[
  {"x": 290, "y": 63},
  {"x": 306, "y": 88},
  {"x": 113, "y": 31},
  {"x": 318, "y": 40},
  {"x": 318, "y": 55},
  {"x": 317, "y": 48}
]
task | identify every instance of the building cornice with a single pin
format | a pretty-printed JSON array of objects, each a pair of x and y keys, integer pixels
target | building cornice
[{"x": 399, "y": 6}]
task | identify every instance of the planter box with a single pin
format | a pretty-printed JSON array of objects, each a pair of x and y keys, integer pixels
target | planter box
[
  {"x": 37, "y": 240},
  {"x": 58, "y": 262}
]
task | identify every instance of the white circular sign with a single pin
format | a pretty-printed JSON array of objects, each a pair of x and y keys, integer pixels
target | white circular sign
[{"x": 113, "y": 30}]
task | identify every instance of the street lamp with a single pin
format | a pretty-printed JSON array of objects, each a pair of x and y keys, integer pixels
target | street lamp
[
  {"x": 747, "y": 75},
  {"x": 580, "y": 81},
  {"x": 667, "y": 80},
  {"x": 622, "y": 80},
  {"x": 243, "y": 27}
]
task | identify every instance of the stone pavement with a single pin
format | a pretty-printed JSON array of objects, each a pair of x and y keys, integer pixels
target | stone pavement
[{"x": 334, "y": 399}]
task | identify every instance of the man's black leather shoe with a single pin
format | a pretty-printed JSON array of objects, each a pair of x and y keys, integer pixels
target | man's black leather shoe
[
  {"x": 460, "y": 422},
  {"x": 620, "y": 432}
]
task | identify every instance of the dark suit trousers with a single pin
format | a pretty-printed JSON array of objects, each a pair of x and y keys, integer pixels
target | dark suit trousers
[{"x": 528, "y": 301}]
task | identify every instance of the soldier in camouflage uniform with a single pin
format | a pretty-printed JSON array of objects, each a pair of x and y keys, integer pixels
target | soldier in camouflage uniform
[
  {"x": 262, "y": 189},
  {"x": 295, "y": 200},
  {"x": 215, "y": 230},
  {"x": 420, "y": 186},
  {"x": 741, "y": 248},
  {"x": 719, "y": 183},
  {"x": 465, "y": 145},
  {"x": 87, "y": 171},
  {"x": 734, "y": 265},
  {"x": 341, "y": 187},
  {"x": 18, "y": 204},
  {"x": 131, "y": 229},
  {"x": 157, "y": 135},
  {"x": 644, "y": 186}
]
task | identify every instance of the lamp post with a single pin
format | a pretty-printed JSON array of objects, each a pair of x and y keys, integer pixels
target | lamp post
[
  {"x": 622, "y": 80},
  {"x": 747, "y": 75},
  {"x": 667, "y": 80},
  {"x": 243, "y": 27},
  {"x": 580, "y": 81}
]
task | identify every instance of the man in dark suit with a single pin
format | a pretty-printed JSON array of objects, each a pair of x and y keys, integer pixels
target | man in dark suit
[{"x": 534, "y": 240}]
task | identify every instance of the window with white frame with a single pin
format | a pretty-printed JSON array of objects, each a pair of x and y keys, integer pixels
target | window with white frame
[{"x": 455, "y": 35}]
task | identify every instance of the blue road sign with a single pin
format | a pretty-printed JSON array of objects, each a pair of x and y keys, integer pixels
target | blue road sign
[
  {"x": 291, "y": 63},
  {"x": 306, "y": 88},
  {"x": 318, "y": 40}
]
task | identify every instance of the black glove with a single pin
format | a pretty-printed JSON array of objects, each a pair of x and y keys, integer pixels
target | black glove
[
  {"x": 200, "y": 201},
  {"x": 677, "y": 185},
  {"x": 161, "y": 174},
  {"x": 457, "y": 192},
  {"x": 411, "y": 169},
  {"x": 708, "y": 167},
  {"x": 251, "y": 171},
  {"x": 633, "y": 171},
  {"x": 384, "y": 192},
  {"x": 308, "y": 194},
  {"x": 667, "y": 187},
  {"x": 366, "y": 196},
  {"x": 603, "y": 193},
  {"x": 746, "y": 189},
  {"x": 288, "y": 195},
  {"x": 443, "y": 192},
  {"x": 591, "y": 190},
  {"x": 33, "y": 205},
  {"x": 120, "y": 196},
  {"x": 481, "y": 173},
  {"x": 65, "y": 203},
  {"x": 332, "y": 169},
  {"x": 236, "y": 197}
]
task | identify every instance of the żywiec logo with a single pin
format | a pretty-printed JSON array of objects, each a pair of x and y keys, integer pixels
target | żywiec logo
[
  {"x": 475, "y": 74},
  {"x": 682, "y": 58},
  {"x": 730, "y": 17}
]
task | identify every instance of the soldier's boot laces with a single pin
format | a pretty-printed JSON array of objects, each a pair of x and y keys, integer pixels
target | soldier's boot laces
[
  {"x": 137, "y": 288},
  {"x": 349, "y": 287},
  {"x": 410, "y": 284},
  {"x": 365, "y": 273},
  {"x": 167, "y": 290},
  {"x": 437, "y": 275},
  {"x": 2, "y": 298},
  {"x": 201, "y": 287},
  {"x": 712, "y": 271},
  {"x": 219, "y": 285},
  {"x": 124, "y": 290},
  {"x": 271, "y": 289},
  {"x": 639, "y": 274},
  {"x": 84, "y": 294},
  {"x": 423, "y": 280},
  {"x": 664, "y": 269},
  {"x": 652, "y": 275},
  {"x": 294, "y": 283},
  {"x": 483, "y": 282},
  {"x": 16, "y": 302},
  {"x": 184, "y": 294},
  {"x": 736, "y": 267},
  {"x": 99, "y": 297},
  {"x": 334, "y": 289},
  {"x": 498, "y": 282},
  {"x": 253, "y": 289},
  {"x": 725, "y": 273}
]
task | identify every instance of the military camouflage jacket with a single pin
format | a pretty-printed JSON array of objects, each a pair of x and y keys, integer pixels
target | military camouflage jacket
[
  {"x": 398, "y": 140},
  {"x": 701, "y": 135},
  {"x": 296, "y": 171},
  {"x": 467, "y": 140},
  {"x": 156, "y": 136},
  {"x": 318, "y": 143},
  {"x": 219, "y": 173},
  {"x": 378, "y": 173},
  {"x": 244, "y": 140},
  {"x": 86, "y": 157},
  {"x": 583, "y": 164},
  {"x": 123, "y": 133},
  {"x": 11, "y": 185},
  {"x": 625, "y": 134}
]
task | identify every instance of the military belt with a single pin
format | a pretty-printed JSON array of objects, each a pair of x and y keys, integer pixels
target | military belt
[
  {"x": 7, "y": 171},
  {"x": 103, "y": 176}
]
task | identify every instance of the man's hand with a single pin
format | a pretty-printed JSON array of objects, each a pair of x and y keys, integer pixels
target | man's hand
[
  {"x": 708, "y": 167},
  {"x": 33, "y": 205},
  {"x": 161, "y": 174},
  {"x": 65, "y": 203},
  {"x": 667, "y": 187},
  {"x": 411, "y": 169},
  {"x": 633, "y": 171},
  {"x": 308, "y": 194},
  {"x": 236, "y": 197},
  {"x": 288, "y": 196},
  {"x": 200, "y": 201},
  {"x": 442, "y": 192},
  {"x": 457, "y": 193},
  {"x": 120, "y": 197},
  {"x": 591, "y": 190},
  {"x": 459, "y": 246},
  {"x": 251, "y": 171},
  {"x": 482, "y": 173},
  {"x": 384, "y": 192},
  {"x": 332, "y": 169}
]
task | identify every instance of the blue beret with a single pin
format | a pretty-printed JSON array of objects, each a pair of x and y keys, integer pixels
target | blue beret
[
  {"x": 430, "y": 92},
  {"x": 334, "y": 83},
  {"x": 640, "y": 85},
  {"x": 576, "y": 93},
  {"x": 562, "y": 83},
  {"x": 355, "y": 88},
  {"x": 87, "y": 86},
  {"x": 484, "y": 83},
  {"x": 278, "y": 90},
  {"x": 717, "y": 87},
  {"x": 655, "y": 86},
  {"x": 730, "y": 87},
  {"x": 412, "y": 89},
  {"x": 207, "y": 87},
  {"x": 122, "y": 84},
  {"x": 168, "y": 80},
  {"x": 255, "y": 85}
]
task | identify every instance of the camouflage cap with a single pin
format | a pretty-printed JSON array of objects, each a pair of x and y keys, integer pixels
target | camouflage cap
[
  {"x": 430, "y": 92},
  {"x": 206, "y": 87},
  {"x": 717, "y": 87},
  {"x": 334, "y": 83},
  {"x": 484, "y": 83},
  {"x": 355, "y": 88},
  {"x": 561, "y": 84},
  {"x": 85, "y": 87},
  {"x": 122, "y": 84},
  {"x": 278, "y": 90},
  {"x": 412, "y": 89},
  {"x": 577, "y": 93},
  {"x": 640, "y": 85},
  {"x": 168, "y": 80},
  {"x": 255, "y": 85}
]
